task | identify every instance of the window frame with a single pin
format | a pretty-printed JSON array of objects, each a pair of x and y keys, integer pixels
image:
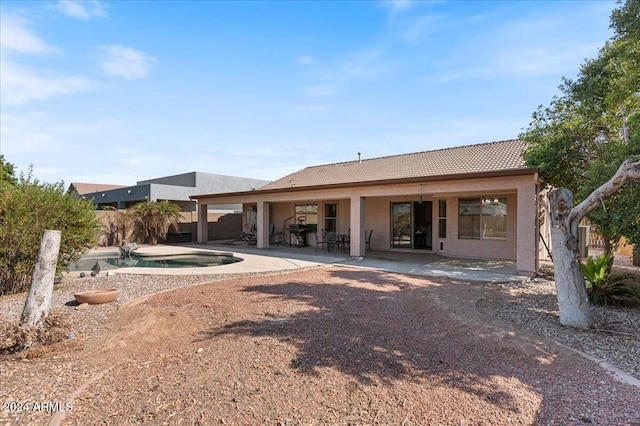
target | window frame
[
  {"x": 306, "y": 211},
  {"x": 478, "y": 211}
]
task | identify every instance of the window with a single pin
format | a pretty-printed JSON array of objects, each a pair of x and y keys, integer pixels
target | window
[
  {"x": 482, "y": 218},
  {"x": 442, "y": 218},
  {"x": 330, "y": 217},
  {"x": 307, "y": 214}
]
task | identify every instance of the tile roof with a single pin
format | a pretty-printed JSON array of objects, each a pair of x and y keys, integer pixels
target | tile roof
[
  {"x": 88, "y": 188},
  {"x": 471, "y": 159}
]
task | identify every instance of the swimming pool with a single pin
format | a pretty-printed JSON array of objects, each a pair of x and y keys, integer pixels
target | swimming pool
[{"x": 186, "y": 260}]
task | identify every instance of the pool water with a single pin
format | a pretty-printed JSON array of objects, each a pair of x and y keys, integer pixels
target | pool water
[{"x": 165, "y": 261}]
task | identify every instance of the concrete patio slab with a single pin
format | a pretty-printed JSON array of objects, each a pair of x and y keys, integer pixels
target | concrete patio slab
[{"x": 281, "y": 258}]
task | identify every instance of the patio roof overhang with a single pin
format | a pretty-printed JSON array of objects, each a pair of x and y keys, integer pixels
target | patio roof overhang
[{"x": 235, "y": 197}]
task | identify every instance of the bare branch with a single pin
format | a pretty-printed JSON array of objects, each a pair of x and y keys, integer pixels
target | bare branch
[{"x": 628, "y": 171}]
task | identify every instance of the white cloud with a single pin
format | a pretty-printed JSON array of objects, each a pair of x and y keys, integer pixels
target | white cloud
[
  {"x": 413, "y": 28},
  {"x": 126, "y": 62},
  {"x": 82, "y": 9},
  {"x": 305, "y": 60},
  {"x": 16, "y": 36},
  {"x": 21, "y": 84},
  {"x": 362, "y": 65},
  {"x": 532, "y": 46}
]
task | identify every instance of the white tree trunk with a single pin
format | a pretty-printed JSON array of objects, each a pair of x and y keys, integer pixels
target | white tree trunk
[
  {"x": 38, "y": 302},
  {"x": 572, "y": 294},
  {"x": 573, "y": 302}
]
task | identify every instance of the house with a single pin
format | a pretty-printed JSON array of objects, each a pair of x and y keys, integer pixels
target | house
[
  {"x": 477, "y": 201},
  {"x": 176, "y": 188},
  {"x": 81, "y": 189},
  {"x": 223, "y": 219}
]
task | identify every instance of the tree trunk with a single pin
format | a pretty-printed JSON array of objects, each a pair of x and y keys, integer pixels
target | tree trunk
[
  {"x": 38, "y": 302},
  {"x": 572, "y": 293},
  {"x": 636, "y": 255},
  {"x": 573, "y": 302}
]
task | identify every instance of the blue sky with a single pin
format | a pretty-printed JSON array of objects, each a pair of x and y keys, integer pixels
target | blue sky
[{"x": 121, "y": 91}]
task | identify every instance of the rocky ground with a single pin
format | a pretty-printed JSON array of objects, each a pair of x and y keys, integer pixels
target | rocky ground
[{"x": 328, "y": 345}]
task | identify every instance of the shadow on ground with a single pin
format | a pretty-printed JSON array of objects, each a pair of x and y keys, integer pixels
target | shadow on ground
[{"x": 419, "y": 330}]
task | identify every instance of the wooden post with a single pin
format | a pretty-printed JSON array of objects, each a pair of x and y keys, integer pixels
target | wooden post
[{"x": 38, "y": 302}]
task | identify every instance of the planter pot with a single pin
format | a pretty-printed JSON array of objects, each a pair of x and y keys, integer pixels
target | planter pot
[{"x": 94, "y": 297}]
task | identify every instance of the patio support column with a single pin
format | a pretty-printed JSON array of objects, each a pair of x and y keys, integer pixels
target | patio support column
[
  {"x": 527, "y": 230},
  {"x": 203, "y": 224},
  {"x": 357, "y": 226},
  {"x": 263, "y": 225}
]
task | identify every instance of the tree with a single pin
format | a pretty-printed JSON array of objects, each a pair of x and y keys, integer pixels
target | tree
[
  {"x": 7, "y": 173},
  {"x": 26, "y": 210},
  {"x": 153, "y": 219},
  {"x": 593, "y": 126},
  {"x": 570, "y": 286},
  {"x": 577, "y": 144}
]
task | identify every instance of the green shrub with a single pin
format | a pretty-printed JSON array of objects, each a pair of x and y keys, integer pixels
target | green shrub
[
  {"x": 26, "y": 210},
  {"x": 604, "y": 288}
]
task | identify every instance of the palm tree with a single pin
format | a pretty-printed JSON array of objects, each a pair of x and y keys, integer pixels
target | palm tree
[{"x": 153, "y": 219}]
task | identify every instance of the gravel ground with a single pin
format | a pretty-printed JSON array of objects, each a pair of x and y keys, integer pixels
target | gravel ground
[{"x": 321, "y": 346}]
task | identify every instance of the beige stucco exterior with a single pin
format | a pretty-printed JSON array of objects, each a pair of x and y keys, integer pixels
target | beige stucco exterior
[{"x": 365, "y": 207}]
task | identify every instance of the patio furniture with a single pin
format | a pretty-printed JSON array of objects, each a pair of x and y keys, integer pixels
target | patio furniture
[
  {"x": 368, "y": 239},
  {"x": 327, "y": 242},
  {"x": 344, "y": 242}
]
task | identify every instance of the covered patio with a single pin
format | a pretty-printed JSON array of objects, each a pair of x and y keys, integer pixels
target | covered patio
[{"x": 477, "y": 201}]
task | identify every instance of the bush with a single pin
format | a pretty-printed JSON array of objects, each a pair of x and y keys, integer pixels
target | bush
[
  {"x": 604, "y": 288},
  {"x": 26, "y": 210}
]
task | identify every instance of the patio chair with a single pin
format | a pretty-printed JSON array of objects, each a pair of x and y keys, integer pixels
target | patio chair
[
  {"x": 368, "y": 239},
  {"x": 344, "y": 242},
  {"x": 328, "y": 240}
]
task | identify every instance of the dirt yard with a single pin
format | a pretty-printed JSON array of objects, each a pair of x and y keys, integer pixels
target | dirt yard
[{"x": 321, "y": 346}]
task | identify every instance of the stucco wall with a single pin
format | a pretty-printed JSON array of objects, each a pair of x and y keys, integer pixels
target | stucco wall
[{"x": 221, "y": 225}]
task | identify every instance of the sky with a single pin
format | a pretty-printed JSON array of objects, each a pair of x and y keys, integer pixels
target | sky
[{"x": 115, "y": 92}]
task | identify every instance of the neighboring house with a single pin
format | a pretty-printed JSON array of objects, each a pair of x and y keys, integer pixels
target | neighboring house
[
  {"x": 477, "y": 201},
  {"x": 80, "y": 189},
  {"x": 177, "y": 189},
  {"x": 223, "y": 219}
]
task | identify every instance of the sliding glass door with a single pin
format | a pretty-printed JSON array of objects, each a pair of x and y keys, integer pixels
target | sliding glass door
[
  {"x": 401, "y": 225},
  {"x": 412, "y": 225}
]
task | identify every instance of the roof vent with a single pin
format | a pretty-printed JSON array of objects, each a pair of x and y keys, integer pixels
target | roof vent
[{"x": 359, "y": 158}]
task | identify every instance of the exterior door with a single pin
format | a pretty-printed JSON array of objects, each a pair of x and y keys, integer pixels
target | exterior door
[
  {"x": 412, "y": 225},
  {"x": 423, "y": 225}
]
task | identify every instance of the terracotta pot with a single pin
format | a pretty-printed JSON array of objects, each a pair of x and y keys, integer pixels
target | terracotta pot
[{"x": 93, "y": 297}]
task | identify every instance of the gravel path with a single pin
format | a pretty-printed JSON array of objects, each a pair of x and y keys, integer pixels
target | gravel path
[{"x": 327, "y": 345}]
